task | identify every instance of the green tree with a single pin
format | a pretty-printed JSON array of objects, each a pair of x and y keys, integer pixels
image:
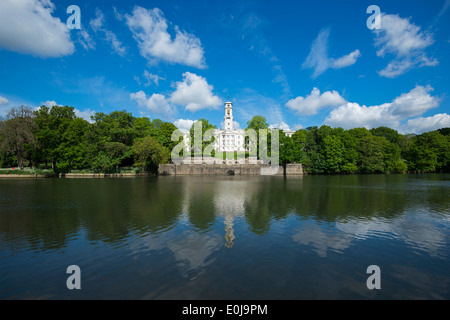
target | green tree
[
  {"x": 18, "y": 131},
  {"x": 391, "y": 135},
  {"x": 333, "y": 150},
  {"x": 200, "y": 127},
  {"x": 163, "y": 132},
  {"x": 429, "y": 152},
  {"x": 53, "y": 124},
  {"x": 370, "y": 153},
  {"x": 256, "y": 123},
  {"x": 149, "y": 153},
  {"x": 73, "y": 149}
]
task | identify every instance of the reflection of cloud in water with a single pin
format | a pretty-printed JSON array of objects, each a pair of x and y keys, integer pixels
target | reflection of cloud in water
[
  {"x": 418, "y": 230},
  {"x": 230, "y": 197},
  {"x": 321, "y": 240},
  {"x": 420, "y": 285},
  {"x": 192, "y": 250}
]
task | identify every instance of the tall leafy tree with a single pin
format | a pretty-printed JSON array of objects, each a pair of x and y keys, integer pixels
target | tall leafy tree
[
  {"x": 197, "y": 134},
  {"x": 18, "y": 131},
  {"x": 148, "y": 153},
  {"x": 53, "y": 124},
  {"x": 257, "y": 123}
]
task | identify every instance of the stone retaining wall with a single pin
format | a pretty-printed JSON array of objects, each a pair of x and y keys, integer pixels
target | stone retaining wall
[{"x": 223, "y": 169}]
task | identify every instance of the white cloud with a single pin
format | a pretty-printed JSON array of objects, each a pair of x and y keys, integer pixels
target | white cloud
[
  {"x": 318, "y": 59},
  {"x": 315, "y": 101},
  {"x": 347, "y": 60},
  {"x": 421, "y": 124},
  {"x": 3, "y": 101},
  {"x": 405, "y": 41},
  {"x": 98, "y": 25},
  {"x": 413, "y": 103},
  {"x": 195, "y": 93},
  {"x": 391, "y": 114},
  {"x": 183, "y": 124},
  {"x": 280, "y": 126},
  {"x": 353, "y": 115},
  {"x": 157, "y": 103},
  {"x": 28, "y": 27},
  {"x": 152, "y": 78},
  {"x": 149, "y": 28},
  {"x": 85, "y": 40},
  {"x": 85, "y": 114},
  {"x": 49, "y": 103}
]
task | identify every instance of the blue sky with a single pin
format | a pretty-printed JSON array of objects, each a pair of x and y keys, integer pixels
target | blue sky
[{"x": 298, "y": 63}]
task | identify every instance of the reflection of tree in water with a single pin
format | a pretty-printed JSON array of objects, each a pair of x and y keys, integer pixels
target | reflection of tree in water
[
  {"x": 229, "y": 232},
  {"x": 46, "y": 214},
  {"x": 326, "y": 198}
]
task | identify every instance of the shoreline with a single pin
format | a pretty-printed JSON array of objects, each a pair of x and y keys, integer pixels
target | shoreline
[
  {"x": 137, "y": 175},
  {"x": 74, "y": 175}
]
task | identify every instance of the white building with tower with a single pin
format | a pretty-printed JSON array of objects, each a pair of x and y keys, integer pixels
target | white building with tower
[{"x": 229, "y": 139}]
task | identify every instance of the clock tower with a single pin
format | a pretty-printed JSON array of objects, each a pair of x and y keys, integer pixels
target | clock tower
[{"x": 228, "y": 115}]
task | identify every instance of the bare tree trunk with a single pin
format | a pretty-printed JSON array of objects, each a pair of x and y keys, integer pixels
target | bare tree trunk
[{"x": 20, "y": 158}]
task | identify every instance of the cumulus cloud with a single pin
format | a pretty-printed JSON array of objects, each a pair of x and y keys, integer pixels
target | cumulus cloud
[
  {"x": 391, "y": 114},
  {"x": 149, "y": 28},
  {"x": 98, "y": 25},
  {"x": 318, "y": 59},
  {"x": 49, "y": 104},
  {"x": 421, "y": 124},
  {"x": 85, "y": 114},
  {"x": 195, "y": 93},
  {"x": 406, "y": 42},
  {"x": 353, "y": 115},
  {"x": 156, "y": 103},
  {"x": 28, "y": 27},
  {"x": 183, "y": 124},
  {"x": 413, "y": 103},
  {"x": 315, "y": 101}
]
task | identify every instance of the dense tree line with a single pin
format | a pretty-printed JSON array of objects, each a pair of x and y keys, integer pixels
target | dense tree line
[
  {"x": 56, "y": 138},
  {"x": 327, "y": 150}
]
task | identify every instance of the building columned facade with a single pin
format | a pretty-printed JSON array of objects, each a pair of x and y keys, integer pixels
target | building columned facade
[{"x": 229, "y": 139}]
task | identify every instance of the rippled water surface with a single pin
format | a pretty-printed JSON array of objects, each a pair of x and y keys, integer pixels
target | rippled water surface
[{"x": 309, "y": 237}]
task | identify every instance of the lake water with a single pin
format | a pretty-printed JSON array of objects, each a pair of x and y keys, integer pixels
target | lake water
[{"x": 310, "y": 237}]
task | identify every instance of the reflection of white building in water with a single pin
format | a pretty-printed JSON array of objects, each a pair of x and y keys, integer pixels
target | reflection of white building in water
[{"x": 229, "y": 139}]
